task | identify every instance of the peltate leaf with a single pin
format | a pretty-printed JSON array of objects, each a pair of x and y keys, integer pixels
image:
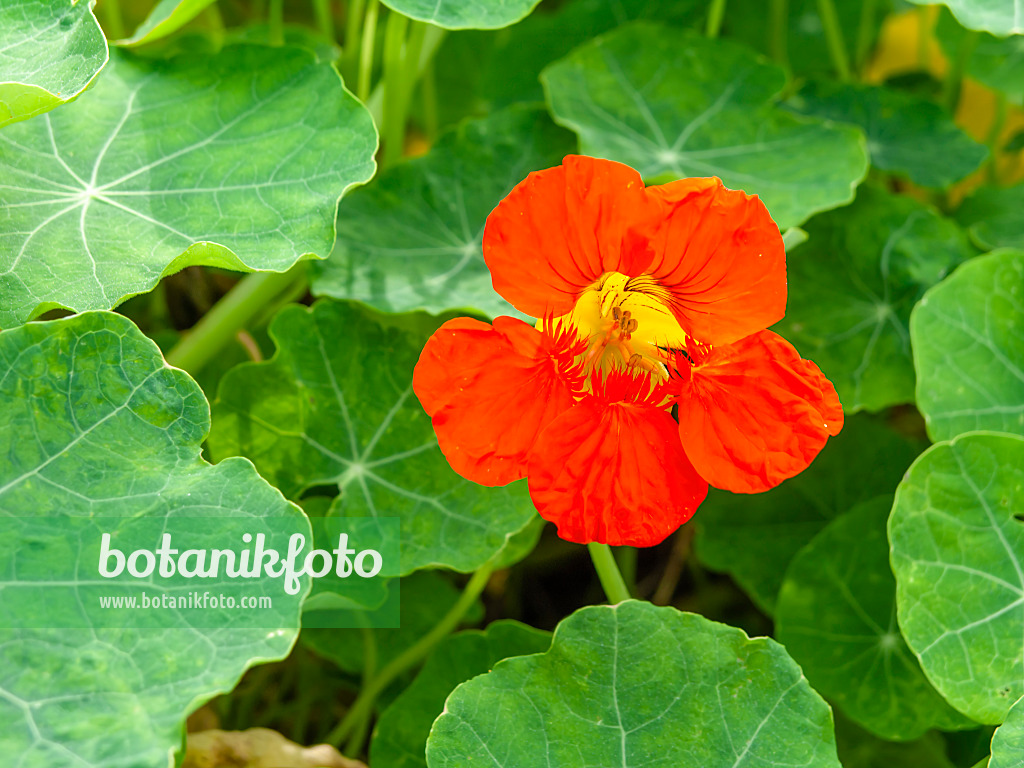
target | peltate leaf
[
  {"x": 754, "y": 537},
  {"x": 335, "y": 406},
  {"x": 464, "y": 14},
  {"x": 237, "y": 161},
  {"x": 166, "y": 17},
  {"x": 968, "y": 339},
  {"x": 94, "y": 423},
  {"x": 1000, "y": 17},
  {"x": 49, "y": 53},
  {"x": 672, "y": 103},
  {"x": 1008, "y": 740},
  {"x": 905, "y": 134},
  {"x": 997, "y": 62},
  {"x": 836, "y": 615},
  {"x": 638, "y": 685},
  {"x": 994, "y": 217},
  {"x": 957, "y": 551},
  {"x": 853, "y": 285},
  {"x": 400, "y": 737},
  {"x": 411, "y": 239},
  {"x": 859, "y": 749}
]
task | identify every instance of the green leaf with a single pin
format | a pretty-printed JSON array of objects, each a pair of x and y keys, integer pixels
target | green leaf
[
  {"x": 49, "y": 53},
  {"x": 997, "y": 62},
  {"x": 93, "y": 422},
  {"x": 412, "y": 238},
  {"x": 167, "y": 16},
  {"x": 957, "y": 552},
  {"x": 335, "y": 406},
  {"x": 754, "y": 537},
  {"x": 836, "y": 615},
  {"x": 968, "y": 339},
  {"x": 859, "y": 749},
  {"x": 400, "y": 737},
  {"x": 1000, "y": 17},
  {"x": 1008, "y": 740},
  {"x": 853, "y": 285},
  {"x": 638, "y": 685},
  {"x": 905, "y": 134},
  {"x": 464, "y": 14},
  {"x": 672, "y": 103},
  {"x": 994, "y": 217},
  {"x": 101, "y": 199}
]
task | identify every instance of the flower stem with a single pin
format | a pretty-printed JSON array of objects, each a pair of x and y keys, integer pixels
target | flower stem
[
  {"x": 324, "y": 18},
  {"x": 867, "y": 18},
  {"x": 113, "y": 23},
  {"x": 608, "y": 572},
  {"x": 350, "y": 50},
  {"x": 276, "y": 14},
  {"x": 955, "y": 76},
  {"x": 834, "y": 38},
  {"x": 366, "y": 51},
  {"x": 393, "y": 129},
  {"x": 715, "y": 15},
  {"x": 249, "y": 297},
  {"x": 780, "y": 32},
  {"x": 363, "y": 705}
]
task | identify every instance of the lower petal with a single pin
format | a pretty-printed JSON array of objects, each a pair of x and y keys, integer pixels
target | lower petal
[
  {"x": 489, "y": 391},
  {"x": 755, "y": 413},
  {"x": 615, "y": 474}
]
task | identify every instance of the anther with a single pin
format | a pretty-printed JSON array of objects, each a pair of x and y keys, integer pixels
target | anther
[
  {"x": 616, "y": 314},
  {"x": 632, "y": 325}
]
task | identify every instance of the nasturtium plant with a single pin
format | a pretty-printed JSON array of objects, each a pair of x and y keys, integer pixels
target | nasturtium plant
[
  {"x": 673, "y": 104},
  {"x": 49, "y": 53},
  {"x": 957, "y": 551},
  {"x": 853, "y": 285},
  {"x": 534, "y": 305},
  {"x": 321, "y": 413},
  {"x": 115, "y": 433},
  {"x": 841, "y": 580},
  {"x": 637, "y": 685},
  {"x": 969, "y": 348},
  {"x": 97, "y": 207}
]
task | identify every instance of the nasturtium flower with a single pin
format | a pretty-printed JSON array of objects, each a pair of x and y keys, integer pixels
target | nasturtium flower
[{"x": 649, "y": 372}]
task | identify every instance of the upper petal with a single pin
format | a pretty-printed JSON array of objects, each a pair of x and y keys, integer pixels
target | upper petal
[
  {"x": 754, "y": 413},
  {"x": 489, "y": 390},
  {"x": 613, "y": 473},
  {"x": 720, "y": 255},
  {"x": 560, "y": 229}
]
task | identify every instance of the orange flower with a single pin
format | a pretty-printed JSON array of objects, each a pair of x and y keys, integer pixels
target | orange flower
[{"x": 649, "y": 373}]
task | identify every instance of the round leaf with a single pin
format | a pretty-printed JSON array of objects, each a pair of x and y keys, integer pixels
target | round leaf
[
  {"x": 997, "y": 62},
  {"x": 968, "y": 339},
  {"x": 49, "y": 53},
  {"x": 400, "y": 737},
  {"x": 1000, "y": 17},
  {"x": 236, "y": 161},
  {"x": 672, "y": 103},
  {"x": 905, "y": 134},
  {"x": 754, "y": 537},
  {"x": 335, "y": 406},
  {"x": 94, "y": 423},
  {"x": 994, "y": 217},
  {"x": 1008, "y": 740},
  {"x": 640, "y": 686},
  {"x": 836, "y": 615},
  {"x": 166, "y": 17},
  {"x": 464, "y": 14},
  {"x": 411, "y": 239},
  {"x": 957, "y": 551},
  {"x": 853, "y": 285}
]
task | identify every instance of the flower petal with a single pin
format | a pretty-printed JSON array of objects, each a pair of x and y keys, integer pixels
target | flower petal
[
  {"x": 720, "y": 255},
  {"x": 754, "y": 413},
  {"x": 489, "y": 391},
  {"x": 560, "y": 229},
  {"x": 614, "y": 473}
]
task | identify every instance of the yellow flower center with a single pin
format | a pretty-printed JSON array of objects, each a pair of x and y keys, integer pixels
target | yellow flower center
[{"x": 627, "y": 323}]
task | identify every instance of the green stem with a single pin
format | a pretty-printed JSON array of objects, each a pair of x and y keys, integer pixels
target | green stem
[
  {"x": 428, "y": 92},
  {"x": 366, "y": 51},
  {"x": 355, "y": 742},
  {"x": 923, "y": 36},
  {"x": 625, "y": 558},
  {"x": 363, "y": 705},
  {"x": 834, "y": 38},
  {"x": 393, "y": 129},
  {"x": 240, "y": 305},
  {"x": 780, "y": 32},
  {"x": 608, "y": 572},
  {"x": 864, "y": 32},
  {"x": 955, "y": 76},
  {"x": 998, "y": 123},
  {"x": 276, "y": 14},
  {"x": 113, "y": 22},
  {"x": 353, "y": 34},
  {"x": 715, "y": 15},
  {"x": 324, "y": 18}
]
